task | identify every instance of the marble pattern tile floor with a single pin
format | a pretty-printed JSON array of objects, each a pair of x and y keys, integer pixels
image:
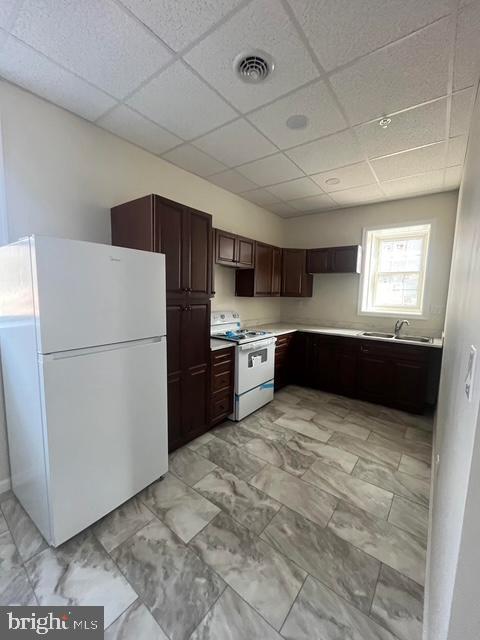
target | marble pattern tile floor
[{"x": 306, "y": 520}]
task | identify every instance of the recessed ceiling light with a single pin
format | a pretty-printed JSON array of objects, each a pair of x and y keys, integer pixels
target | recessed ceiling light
[
  {"x": 332, "y": 181},
  {"x": 384, "y": 122},
  {"x": 297, "y": 121},
  {"x": 253, "y": 67}
]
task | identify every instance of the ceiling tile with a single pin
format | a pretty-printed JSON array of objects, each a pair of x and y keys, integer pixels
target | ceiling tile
[
  {"x": 408, "y": 129},
  {"x": 180, "y": 22},
  {"x": 401, "y": 75},
  {"x": 359, "y": 195},
  {"x": 409, "y": 163},
  {"x": 457, "y": 148},
  {"x": 462, "y": 103},
  {"x": 8, "y": 12},
  {"x": 282, "y": 209},
  {"x": 270, "y": 170},
  {"x": 29, "y": 69},
  {"x": 294, "y": 189},
  {"x": 261, "y": 25},
  {"x": 364, "y": 25},
  {"x": 178, "y": 100},
  {"x": 467, "y": 51},
  {"x": 355, "y": 175},
  {"x": 453, "y": 176},
  {"x": 232, "y": 181},
  {"x": 314, "y": 101},
  {"x": 133, "y": 127},
  {"x": 97, "y": 40},
  {"x": 236, "y": 143},
  {"x": 424, "y": 183},
  {"x": 192, "y": 159},
  {"x": 260, "y": 197},
  {"x": 337, "y": 150},
  {"x": 313, "y": 203}
]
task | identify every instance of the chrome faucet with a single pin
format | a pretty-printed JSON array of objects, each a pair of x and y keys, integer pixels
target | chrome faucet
[{"x": 399, "y": 325}]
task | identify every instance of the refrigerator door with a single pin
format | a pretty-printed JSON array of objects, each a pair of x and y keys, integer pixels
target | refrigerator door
[
  {"x": 105, "y": 417},
  {"x": 89, "y": 294}
]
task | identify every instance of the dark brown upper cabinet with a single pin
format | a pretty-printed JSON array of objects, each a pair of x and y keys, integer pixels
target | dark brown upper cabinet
[
  {"x": 334, "y": 259},
  {"x": 296, "y": 282},
  {"x": 234, "y": 251},
  {"x": 265, "y": 278}
]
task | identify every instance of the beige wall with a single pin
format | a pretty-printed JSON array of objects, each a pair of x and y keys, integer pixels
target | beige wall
[
  {"x": 452, "y": 611},
  {"x": 62, "y": 175},
  {"x": 335, "y": 297}
]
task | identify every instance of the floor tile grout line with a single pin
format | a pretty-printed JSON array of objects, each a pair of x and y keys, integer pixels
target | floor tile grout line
[{"x": 23, "y": 562}]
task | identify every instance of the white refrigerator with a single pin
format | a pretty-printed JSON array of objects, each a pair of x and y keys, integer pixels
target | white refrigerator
[{"x": 83, "y": 350}]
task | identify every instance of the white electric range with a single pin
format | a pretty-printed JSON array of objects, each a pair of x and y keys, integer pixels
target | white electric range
[{"x": 254, "y": 362}]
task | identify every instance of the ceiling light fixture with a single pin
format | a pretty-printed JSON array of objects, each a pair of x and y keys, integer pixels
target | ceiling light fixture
[
  {"x": 253, "y": 67},
  {"x": 384, "y": 122},
  {"x": 298, "y": 121},
  {"x": 332, "y": 181}
]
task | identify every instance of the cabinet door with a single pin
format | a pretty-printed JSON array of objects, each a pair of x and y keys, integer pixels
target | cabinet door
[
  {"x": 169, "y": 239},
  {"x": 245, "y": 252},
  {"x": 296, "y": 282},
  {"x": 410, "y": 384},
  {"x": 277, "y": 272},
  {"x": 195, "y": 353},
  {"x": 344, "y": 259},
  {"x": 293, "y": 268},
  {"x": 263, "y": 269},
  {"x": 374, "y": 380},
  {"x": 322, "y": 371},
  {"x": 317, "y": 261},
  {"x": 225, "y": 248},
  {"x": 174, "y": 369},
  {"x": 344, "y": 380},
  {"x": 197, "y": 261}
]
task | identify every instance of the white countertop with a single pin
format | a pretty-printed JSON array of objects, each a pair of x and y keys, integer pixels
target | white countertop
[
  {"x": 282, "y": 328},
  {"x": 216, "y": 345}
]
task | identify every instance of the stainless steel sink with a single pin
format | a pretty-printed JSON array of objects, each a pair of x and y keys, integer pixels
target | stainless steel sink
[
  {"x": 414, "y": 339},
  {"x": 377, "y": 334}
]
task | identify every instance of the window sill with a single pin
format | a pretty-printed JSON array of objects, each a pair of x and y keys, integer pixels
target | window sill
[{"x": 395, "y": 314}]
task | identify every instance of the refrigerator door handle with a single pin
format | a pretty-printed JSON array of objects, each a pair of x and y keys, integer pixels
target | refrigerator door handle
[{"x": 74, "y": 353}]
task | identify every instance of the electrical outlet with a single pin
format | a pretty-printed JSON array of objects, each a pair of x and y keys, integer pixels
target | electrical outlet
[{"x": 469, "y": 378}]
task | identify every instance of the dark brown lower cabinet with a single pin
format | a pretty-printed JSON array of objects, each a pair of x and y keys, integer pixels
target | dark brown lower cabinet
[
  {"x": 222, "y": 384},
  {"x": 395, "y": 375},
  {"x": 188, "y": 371},
  {"x": 283, "y": 360}
]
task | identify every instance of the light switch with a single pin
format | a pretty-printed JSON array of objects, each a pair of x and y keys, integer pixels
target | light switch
[{"x": 469, "y": 378}]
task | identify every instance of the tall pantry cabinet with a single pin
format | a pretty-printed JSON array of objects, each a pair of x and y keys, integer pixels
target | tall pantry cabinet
[{"x": 184, "y": 235}]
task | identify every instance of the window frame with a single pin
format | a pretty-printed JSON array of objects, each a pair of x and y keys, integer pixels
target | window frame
[
  {"x": 424, "y": 313},
  {"x": 4, "y": 231}
]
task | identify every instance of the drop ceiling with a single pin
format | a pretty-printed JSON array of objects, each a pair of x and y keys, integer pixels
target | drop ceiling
[{"x": 160, "y": 74}]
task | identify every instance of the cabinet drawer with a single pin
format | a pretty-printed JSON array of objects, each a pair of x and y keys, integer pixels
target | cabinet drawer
[
  {"x": 222, "y": 355},
  {"x": 222, "y": 405},
  {"x": 221, "y": 380},
  {"x": 284, "y": 340}
]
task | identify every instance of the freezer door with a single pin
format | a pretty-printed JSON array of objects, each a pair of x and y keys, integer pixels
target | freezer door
[
  {"x": 106, "y": 430},
  {"x": 89, "y": 294}
]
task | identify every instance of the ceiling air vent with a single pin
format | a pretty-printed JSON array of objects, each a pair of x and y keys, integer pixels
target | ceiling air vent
[{"x": 254, "y": 67}]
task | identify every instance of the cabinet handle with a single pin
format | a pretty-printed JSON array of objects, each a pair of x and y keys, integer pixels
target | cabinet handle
[{"x": 363, "y": 349}]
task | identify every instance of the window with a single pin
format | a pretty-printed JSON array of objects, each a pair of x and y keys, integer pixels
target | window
[{"x": 395, "y": 270}]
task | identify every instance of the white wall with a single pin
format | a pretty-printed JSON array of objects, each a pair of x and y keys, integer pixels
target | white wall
[
  {"x": 335, "y": 297},
  {"x": 453, "y": 611},
  {"x": 63, "y": 174}
]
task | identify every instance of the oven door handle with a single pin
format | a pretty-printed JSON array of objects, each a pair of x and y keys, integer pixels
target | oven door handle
[{"x": 260, "y": 344}]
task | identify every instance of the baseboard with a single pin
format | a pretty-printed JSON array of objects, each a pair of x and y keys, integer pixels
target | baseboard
[{"x": 5, "y": 485}]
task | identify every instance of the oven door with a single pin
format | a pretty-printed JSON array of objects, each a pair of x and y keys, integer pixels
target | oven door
[{"x": 255, "y": 364}]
